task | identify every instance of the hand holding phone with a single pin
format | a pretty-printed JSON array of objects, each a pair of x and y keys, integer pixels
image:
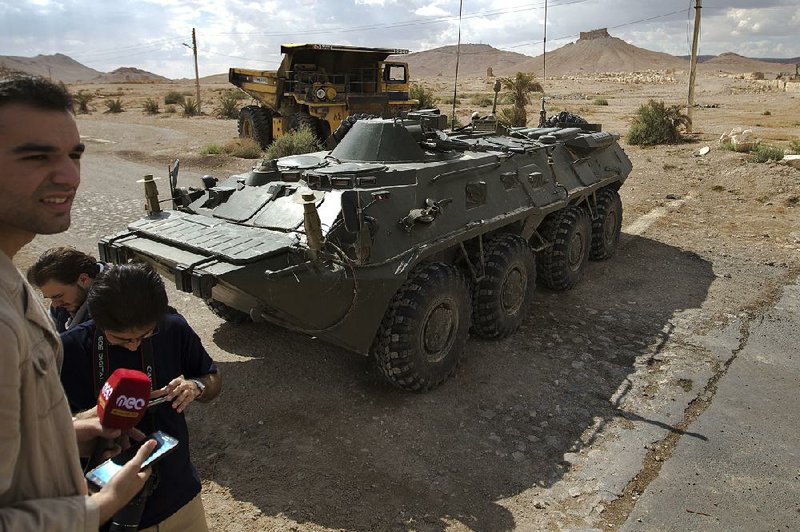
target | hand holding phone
[{"x": 103, "y": 473}]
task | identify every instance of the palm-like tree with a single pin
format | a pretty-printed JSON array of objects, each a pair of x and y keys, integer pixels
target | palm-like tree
[{"x": 520, "y": 86}]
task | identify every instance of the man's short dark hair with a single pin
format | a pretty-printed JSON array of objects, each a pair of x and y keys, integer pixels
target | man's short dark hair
[
  {"x": 16, "y": 87},
  {"x": 63, "y": 265},
  {"x": 127, "y": 296}
]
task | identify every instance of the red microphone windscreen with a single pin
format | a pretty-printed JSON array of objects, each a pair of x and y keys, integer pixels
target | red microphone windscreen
[{"x": 123, "y": 399}]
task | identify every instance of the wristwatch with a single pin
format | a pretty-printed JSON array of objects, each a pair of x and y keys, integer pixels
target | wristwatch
[{"x": 200, "y": 386}]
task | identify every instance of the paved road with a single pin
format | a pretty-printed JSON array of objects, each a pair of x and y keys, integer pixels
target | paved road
[{"x": 746, "y": 474}]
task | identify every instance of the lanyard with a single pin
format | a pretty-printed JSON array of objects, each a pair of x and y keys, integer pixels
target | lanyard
[{"x": 102, "y": 366}]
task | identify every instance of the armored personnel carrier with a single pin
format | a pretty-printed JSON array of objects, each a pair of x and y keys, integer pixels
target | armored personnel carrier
[{"x": 399, "y": 242}]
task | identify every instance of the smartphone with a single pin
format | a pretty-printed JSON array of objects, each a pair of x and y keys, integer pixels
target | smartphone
[
  {"x": 103, "y": 473},
  {"x": 157, "y": 401}
]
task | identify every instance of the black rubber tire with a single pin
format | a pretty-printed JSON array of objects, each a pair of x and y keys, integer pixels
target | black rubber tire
[
  {"x": 561, "y": 266},
  {"x": 256, "y": 123},
  {"x": 607, "y": 225},
  {"x": 229, "y": 314},
  {"x": 425, "y": 328},
  {"x": 300, "y": 119},
  {"x": 565, "y": 117},
  {"x": 501, "y": 299}
]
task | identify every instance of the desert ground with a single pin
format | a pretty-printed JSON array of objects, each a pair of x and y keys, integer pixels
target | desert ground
[{"x": 561, "y": 425}]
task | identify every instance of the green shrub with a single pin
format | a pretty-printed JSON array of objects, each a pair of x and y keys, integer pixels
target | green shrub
[
  {"x": 243, "y": 148},
  {"x": 425, "y": 96},
  {"x": 228, "y": 105},
  {"x": 600, "y": 101},
  {"x": 655, "y": 123},
  {"x": 481, "y": 100},
  {"x": 764, "y": 152},
  {"x": 297, "y": 142},
  {"x": 190, "y": 107},
  {"x": 114, "y": 106},
  {"x": 173, "y": 97},
  {"x": 211, "y": 149},
  {"x": 150, "y": 106},
  {"x": 170, "y": 109},
  {"x": 82, "y": 99},
  {"x": 794, "y": 145}
]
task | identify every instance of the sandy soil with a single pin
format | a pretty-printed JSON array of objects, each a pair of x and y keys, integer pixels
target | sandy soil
[{"x": 543, "y": 430}]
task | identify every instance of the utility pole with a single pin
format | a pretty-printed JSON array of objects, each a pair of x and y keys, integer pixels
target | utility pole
[
  {"x": 693, "y": 64},
  {"x": 196, "y": 72}
]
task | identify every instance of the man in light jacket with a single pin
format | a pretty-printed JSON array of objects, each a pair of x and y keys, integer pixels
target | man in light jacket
[{"x": 41, "y": 483}]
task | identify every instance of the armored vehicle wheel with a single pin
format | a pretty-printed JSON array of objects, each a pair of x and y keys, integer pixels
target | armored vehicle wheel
[
  {"x": 229, "y": 314},
  {"x": 500, "y": 299},
  {"x": 425, "y": 328},
  {"x": 256, "y": 123},
  {"x": 607, "y": 226},
  {"x": 561, "y": 266}
]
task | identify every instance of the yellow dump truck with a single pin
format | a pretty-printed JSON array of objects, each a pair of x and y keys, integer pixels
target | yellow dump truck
[{"x": 319, "y": 85}]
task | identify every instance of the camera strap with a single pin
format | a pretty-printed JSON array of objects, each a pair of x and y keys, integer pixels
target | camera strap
[{"x": 102, "y": 365}]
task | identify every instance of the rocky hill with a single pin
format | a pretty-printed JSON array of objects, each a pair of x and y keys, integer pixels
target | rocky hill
[
  {"x": 130, "y": 75},
  {"x": 735, "y": 63},
  {"x": 475, "y": 59},
  {"x": 594, "y": 51},
  {"x": 57, "y": 66},
  {"x": 597, "y": 51}
]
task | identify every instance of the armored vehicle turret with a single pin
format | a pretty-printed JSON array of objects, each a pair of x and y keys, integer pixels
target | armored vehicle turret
[{"x": 399, "y": 242}]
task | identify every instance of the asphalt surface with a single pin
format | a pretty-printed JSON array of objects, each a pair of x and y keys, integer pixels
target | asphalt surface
[{"x": 744, "y": 474}]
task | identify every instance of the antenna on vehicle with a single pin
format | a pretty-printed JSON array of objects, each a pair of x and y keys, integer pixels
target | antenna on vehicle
[
  {"x": 542, "y": 112},
  {"x": 458, "y": 56}
]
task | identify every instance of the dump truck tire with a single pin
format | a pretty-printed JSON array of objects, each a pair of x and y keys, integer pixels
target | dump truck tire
[
  {"x": 303, "y": 119},
  {"x": 500, "y": 300},
  {"x": 607, "y": 225},
  {"x": 561, "y": 266},
  {"x": 256, "y": 123},
  {"x": 425, "y": 328}
]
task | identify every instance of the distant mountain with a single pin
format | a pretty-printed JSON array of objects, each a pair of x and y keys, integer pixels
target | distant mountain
[
  {"x": 130, "y": 75},
  {"x": 59, "y": 67},
  {"x": 597, "y": 51},
  {"x": 731, "y": 62},
  {"x": 474, "y": 60},
  {"x": 63, "y": 68},
  {"x": 594, "y": 51}
]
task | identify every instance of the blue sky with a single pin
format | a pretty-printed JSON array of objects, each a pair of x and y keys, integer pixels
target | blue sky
[{"x": 153, "y": 34}]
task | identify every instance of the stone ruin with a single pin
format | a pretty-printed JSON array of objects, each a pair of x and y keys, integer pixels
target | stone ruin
[{"x": 594, "y": 34}]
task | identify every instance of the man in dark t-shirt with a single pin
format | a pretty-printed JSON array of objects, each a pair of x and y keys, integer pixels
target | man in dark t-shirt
[{"x": 138, "y": 330}]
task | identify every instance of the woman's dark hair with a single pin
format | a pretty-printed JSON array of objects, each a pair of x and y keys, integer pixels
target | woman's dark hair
[
  {"x": 64, "y": 264},
  {"x": 127, "y": 296}
]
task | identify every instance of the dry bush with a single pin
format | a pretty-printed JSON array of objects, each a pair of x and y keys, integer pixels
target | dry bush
[
  {"x": 764, "y": 152},
  {"x": 243, "y": 148},
  {"x": 422, "y": 93},
  {"x": 114, "y": 106},
  {"x": 82, "y": 99},
  {"x": 228, "y": 105},
  {"x": 297, "y": 142},
  {"x": 150, "y": 106},
  {"x": 173, "y": 97},
  {"x": 190, "y": 107},
  {"x": 656, "y": 123}
]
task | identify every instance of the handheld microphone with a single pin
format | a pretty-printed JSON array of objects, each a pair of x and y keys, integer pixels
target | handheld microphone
[
  {"x": 123, "y": 399},
  {"x": 121, "y": 404}
]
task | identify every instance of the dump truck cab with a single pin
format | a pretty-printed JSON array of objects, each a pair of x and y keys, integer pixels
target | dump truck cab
[{"x": 318, "y": 86}]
